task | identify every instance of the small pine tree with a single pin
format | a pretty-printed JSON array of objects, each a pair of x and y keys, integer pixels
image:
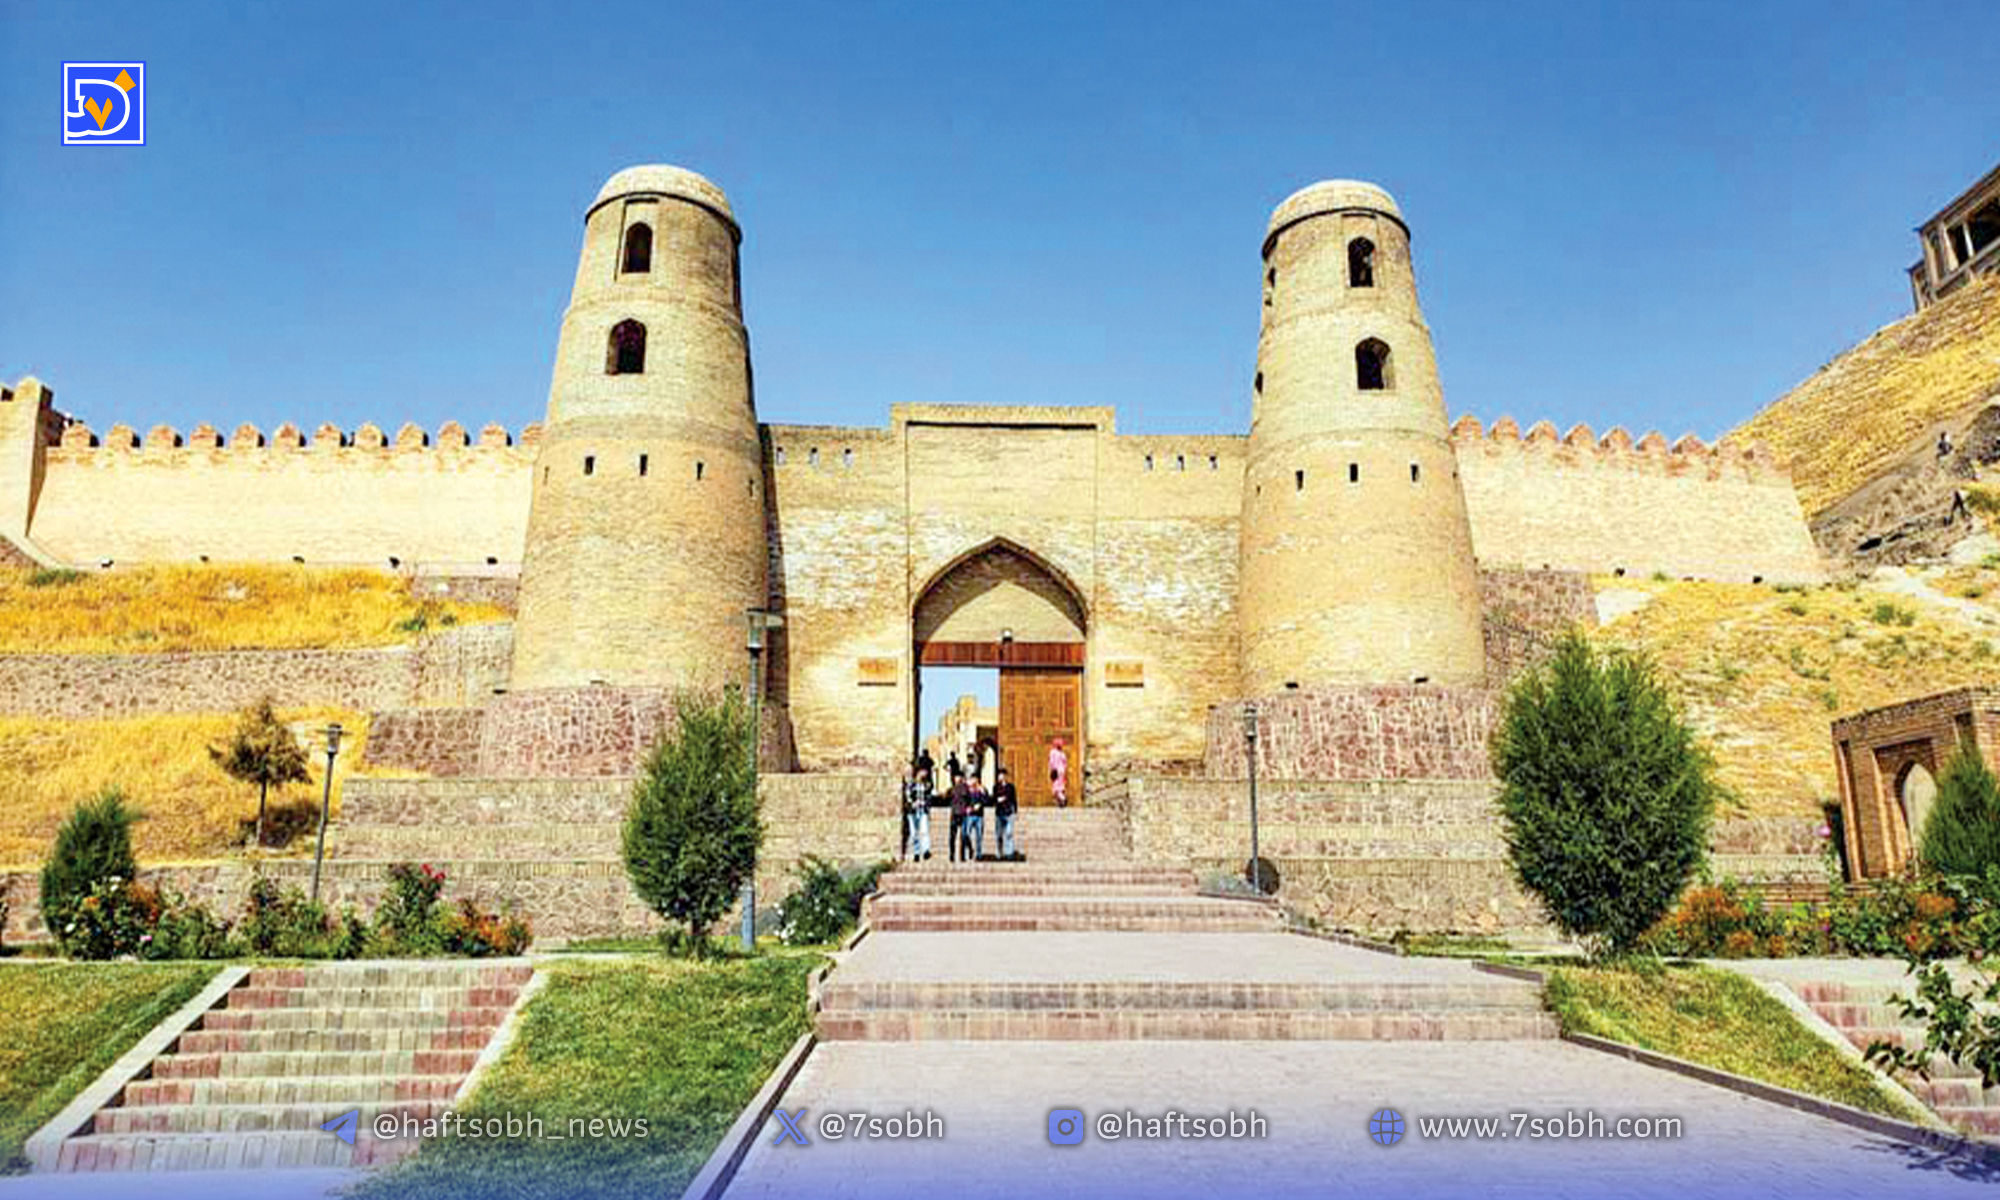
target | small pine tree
[
  {"x": 262, "y": 751},
  {"x": 692, "y": 832},
  {"x": 1606, "y": 793},
  {"x": 1962, "y": 834},
  {"x": 94, "y": 845}
]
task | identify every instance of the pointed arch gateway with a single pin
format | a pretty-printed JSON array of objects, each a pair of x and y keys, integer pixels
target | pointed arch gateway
[{"x": 1001, "y": 605}]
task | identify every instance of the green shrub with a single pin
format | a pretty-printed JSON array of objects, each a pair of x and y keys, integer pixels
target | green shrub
[
  {"x": 1606, "y": 793},
  {"x": 6, "y": 886},
  {"x": 93, "y": 846},
  {"x": 692, "y": 832},
  {"x": 42, "y": 577},
  {"x": 826, "y": 903},
  {"x": 472, "y": 932},
  {"x": 1888, "y": 613},
  {"x": 407, "y": 921},
  {"x": 185, "y": 929},
  {"x": 1962, "y": 834},
  {"x": 283, "y": 923}
]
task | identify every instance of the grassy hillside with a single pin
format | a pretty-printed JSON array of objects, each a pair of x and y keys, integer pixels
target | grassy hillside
[
  {"x": 1763, "y": 672},
  {"x": 193, "y": 810},
  {"x": 1840, "y": 428},
  {"x": 153, "y": 609}
]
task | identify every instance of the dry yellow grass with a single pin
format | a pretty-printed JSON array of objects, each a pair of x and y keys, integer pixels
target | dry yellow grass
[
  {"x": 1763, "y": 673},
  {"x": 153, "y": 609},
  {"x": 193, "y": 811},
  {"x": 1840, "y": 428}
]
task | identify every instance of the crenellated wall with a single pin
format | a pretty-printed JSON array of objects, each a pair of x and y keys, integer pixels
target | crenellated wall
[
  {"x": 336, "y": 497},
  {"x": 1602, "y": 505}
]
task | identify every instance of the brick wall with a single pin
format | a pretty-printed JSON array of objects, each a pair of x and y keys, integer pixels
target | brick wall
[
  {"x": 595, "y": 731},
  {"x": 1360, "y": 733},
  {"x": 436, "y": 741},
  {"x": 455, "y": 666}
]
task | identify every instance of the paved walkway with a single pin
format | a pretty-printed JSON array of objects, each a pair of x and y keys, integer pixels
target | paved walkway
[{"x": 994, "y": 1099}]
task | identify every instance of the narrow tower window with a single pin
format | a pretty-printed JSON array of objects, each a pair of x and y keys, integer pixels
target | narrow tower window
[
  {"x": 639, "y": 249},
  {"x": 1257, "y": 384},
  {"x": 642, "y": 465},
  {"x": 1361, "y": 263},
  {"x": 1354, "y": 472},
  {"x": 1371, "y": 367},
  {"x": 700, "y": 469},
  {"x": 590, "y": 464},
  {"x": 1415, "y": 473},
  {"x": 626, "y": 352},
  {"x": 1299, "y": 481}
]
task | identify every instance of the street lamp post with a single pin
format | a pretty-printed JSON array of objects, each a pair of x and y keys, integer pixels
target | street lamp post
[
  {"x": 325, "y": 804},
  {"x": 1250, "y": 755},
  {"x": 758, "y": 622}
]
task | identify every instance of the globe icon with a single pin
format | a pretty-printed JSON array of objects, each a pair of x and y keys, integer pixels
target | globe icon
[{"x": 1385, "y": 1125}]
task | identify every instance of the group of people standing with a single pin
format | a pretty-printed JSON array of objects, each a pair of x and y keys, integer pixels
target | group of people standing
[{"x": 969, "y": 801}]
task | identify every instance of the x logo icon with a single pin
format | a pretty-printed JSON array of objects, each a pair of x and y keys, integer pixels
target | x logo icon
[{"x": 791, "y": 1129}]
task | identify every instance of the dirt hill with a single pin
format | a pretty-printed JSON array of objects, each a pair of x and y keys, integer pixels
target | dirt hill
[{"x": 1872, "y": 407}]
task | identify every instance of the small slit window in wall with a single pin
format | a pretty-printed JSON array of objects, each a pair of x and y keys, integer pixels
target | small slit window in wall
[
  {"x": 1149, "y": 462},
  {"x": 812, "y": 457},
  {"x": 642, "y": 465},
  {"x": 847, "y": 457},
  {"x": 590, "y": 464},
  {"x": 1416, "y": 473},
  {"x": 779, "y": 454},
  {"x": 1354, "y": 472},
  {"x": 1299, "y": 481},
  {"x": 1180, "y": 462},
  {"x": 700, "y": 469}
]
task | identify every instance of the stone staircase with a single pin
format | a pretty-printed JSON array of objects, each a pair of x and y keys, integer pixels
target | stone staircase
[
  {"x": 290, "y": 1048},
  {"x": 1082, "y": 943},
  {"x": 1862, "y": 1014}
]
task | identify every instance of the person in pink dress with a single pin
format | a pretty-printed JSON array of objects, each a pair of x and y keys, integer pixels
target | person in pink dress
[{"x": 1059, "y": 773}]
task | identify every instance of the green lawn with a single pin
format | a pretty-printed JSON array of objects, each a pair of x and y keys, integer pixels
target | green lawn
[
  {"x": 1719, "y": 1019},
  {"x": 62, "y": 1024},
  {"x": 683, "y": 1045}
]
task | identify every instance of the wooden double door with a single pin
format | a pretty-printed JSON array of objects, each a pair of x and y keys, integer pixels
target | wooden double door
[
  {"x": 1037, "y": 706},
  {"x": 1041, "y": 700}
]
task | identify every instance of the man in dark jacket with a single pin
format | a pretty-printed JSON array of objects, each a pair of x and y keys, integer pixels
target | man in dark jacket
[
  {"x": 1005, "y": 804},
  {"x": 961, "y": 806}
]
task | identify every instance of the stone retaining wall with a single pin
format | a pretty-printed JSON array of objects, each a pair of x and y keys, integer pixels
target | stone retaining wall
[
  {"x": 454, "y": 666},
  {"x": 1359, "y": 733},
  {"x": 603, "y": 730},
  {"x": 436, "y": 741}
]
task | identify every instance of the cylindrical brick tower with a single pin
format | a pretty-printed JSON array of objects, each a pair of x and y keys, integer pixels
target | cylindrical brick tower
[
  {"x": 646, "y": 538},
  {"x": 1357, "y": 559}
]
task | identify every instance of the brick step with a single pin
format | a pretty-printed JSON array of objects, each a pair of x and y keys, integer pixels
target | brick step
[
  {"x": 1138, "y": 914},
  {"x": 1181, "y": 1025},
  {"x": 1940, "y": 1066},
  {"x": 1964, "y": 1092},
  {"x": 979, "y": 888},
  {"x": 331, "y": 995},
  {"x": 252, "y": 1118},
  {"x": 1149, "y": 995},
  {"x": 336, "y": 1090},
  {"x": 375, "y": 974},
  {"x": 321, "y": 1041},
  {"x": 1984, "y": 1122},
  {"x": 292, "y": 1066},
  {"x": 486, "y": 1018},
  {"x": 1844, "y": 1015},
  {"x": 221, "y": 1151},
  {"x": 1815, "y": 992}
]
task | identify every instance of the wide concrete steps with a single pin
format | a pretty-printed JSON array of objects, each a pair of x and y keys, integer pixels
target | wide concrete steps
[
  {"x": 1180, "y": 1011},
  {"x": 1022, "y": 879},
  {"x": 957, "y": 913},
  {"x": 291, "y": 1048}
]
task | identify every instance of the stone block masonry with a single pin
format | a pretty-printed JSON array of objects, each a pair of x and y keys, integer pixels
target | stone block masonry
[
  {"x": 455, "y": 666},
  {"x": 1356, "y": 733}
]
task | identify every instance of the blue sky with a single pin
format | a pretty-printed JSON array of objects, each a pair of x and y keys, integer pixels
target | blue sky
[{"x": 1659, "y": 215}]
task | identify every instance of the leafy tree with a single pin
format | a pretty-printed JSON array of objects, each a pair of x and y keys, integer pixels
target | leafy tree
[
  {"x": 93, "y": 849},
  {"x": 692, "y": 831},
  {"x": 1962, "y": 834},
  {"x": 262, "y": 751},
  {"x": 1606, "y": 793}
]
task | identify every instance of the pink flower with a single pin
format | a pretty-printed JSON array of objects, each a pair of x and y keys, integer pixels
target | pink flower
[{"x": 1825, "y": 831}]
